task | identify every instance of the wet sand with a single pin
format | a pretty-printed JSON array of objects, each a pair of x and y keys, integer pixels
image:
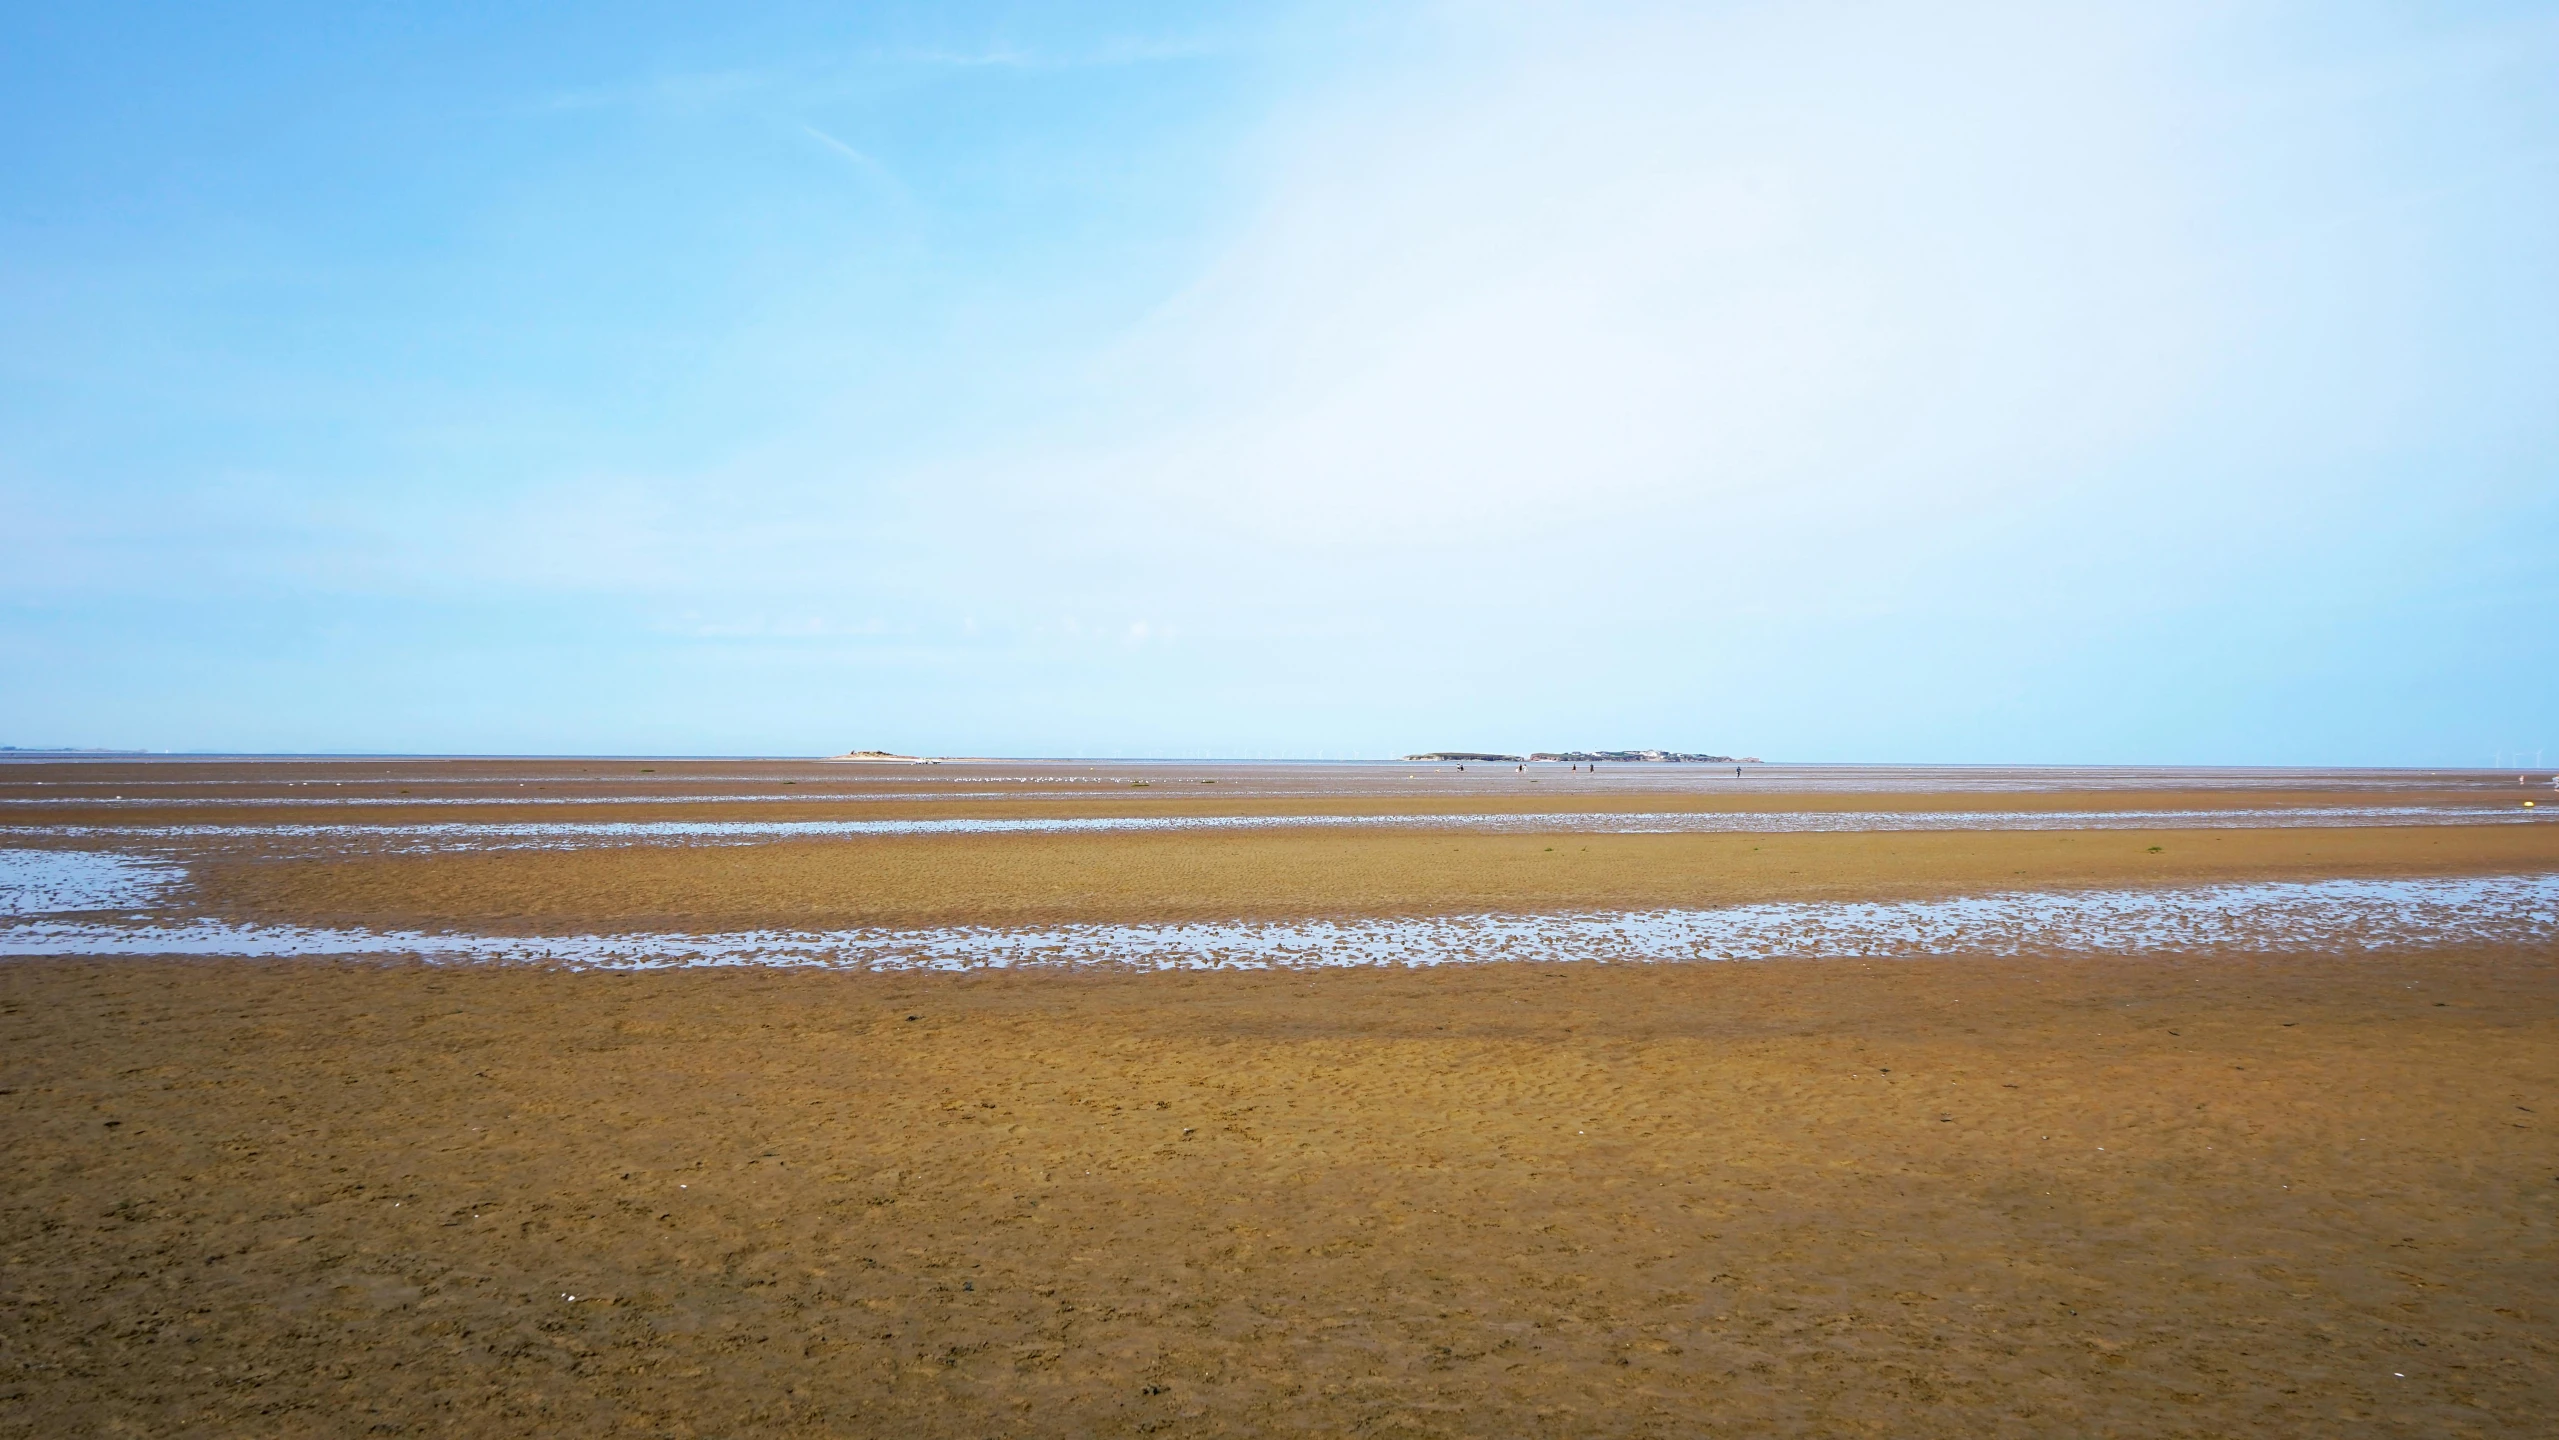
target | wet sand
[
  {"x": 2292, "y": 1196},
  {"x": 1021, "y": 879},
  {"x": 2211, "y": 1194},
  {"x": 165, "y": 791}
]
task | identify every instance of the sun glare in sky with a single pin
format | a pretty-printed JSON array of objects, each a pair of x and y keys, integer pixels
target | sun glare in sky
[{"x": 1959, "y": 382}]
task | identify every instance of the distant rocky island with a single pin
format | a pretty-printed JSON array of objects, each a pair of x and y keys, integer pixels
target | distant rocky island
[
  {"x": 1624, "y": 757},
  {"x": 1650, "y": 757}
]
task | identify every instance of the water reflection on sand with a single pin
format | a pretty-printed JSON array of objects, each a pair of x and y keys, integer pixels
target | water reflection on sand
[
  {"x": 562, "y": 835},
  {"x": 47, "y": 893}
]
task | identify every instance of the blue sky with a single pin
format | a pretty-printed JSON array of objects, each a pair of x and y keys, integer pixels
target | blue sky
[{"x": 1830, "y": 382}]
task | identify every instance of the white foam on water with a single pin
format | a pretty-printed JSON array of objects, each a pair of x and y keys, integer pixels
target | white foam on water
[
  {"x": 54, "y": 882},
  {"x": 2331, "y": 916},
  {"x": 549, "y": 835}
]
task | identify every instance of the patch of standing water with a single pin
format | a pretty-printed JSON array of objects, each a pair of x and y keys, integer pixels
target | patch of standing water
[
  {"x": 489, "y": 802},
  {"x": 561, "y": 835},
  {"x": 2332, "y": 916},
  {"x": 54, "y": 882}
]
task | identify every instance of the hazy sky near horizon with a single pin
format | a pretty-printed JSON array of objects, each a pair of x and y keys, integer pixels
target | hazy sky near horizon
[{"x": 1946, "y": 382}]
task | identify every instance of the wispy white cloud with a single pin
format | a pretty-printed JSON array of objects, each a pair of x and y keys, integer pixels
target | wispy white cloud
[
  {"x": 825, "y": 78},
  {"x": 693, "y": 625},
  {"x": 1644, "y": 261},
  {"x": 858, "y": 157},
  {"x": 1108, "y": 54}
]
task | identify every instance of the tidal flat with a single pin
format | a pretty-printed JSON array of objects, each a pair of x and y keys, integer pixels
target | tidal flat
[{"x": 2166, "y": 1181}]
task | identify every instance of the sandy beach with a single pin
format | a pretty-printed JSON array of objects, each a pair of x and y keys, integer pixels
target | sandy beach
[
  {"x": 2123, "y": 1194},
  {"x": 1487, "y": 473}
]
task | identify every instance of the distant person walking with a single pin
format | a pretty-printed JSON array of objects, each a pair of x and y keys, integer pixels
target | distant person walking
[{"x": 1737, "y": 772}]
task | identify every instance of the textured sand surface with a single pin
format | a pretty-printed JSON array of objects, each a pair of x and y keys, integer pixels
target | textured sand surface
[
  {"x": 2223, "y": 1194},
  {"x": 2302, "y": 1196},
  {"x": 1029, "y": 878}
]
